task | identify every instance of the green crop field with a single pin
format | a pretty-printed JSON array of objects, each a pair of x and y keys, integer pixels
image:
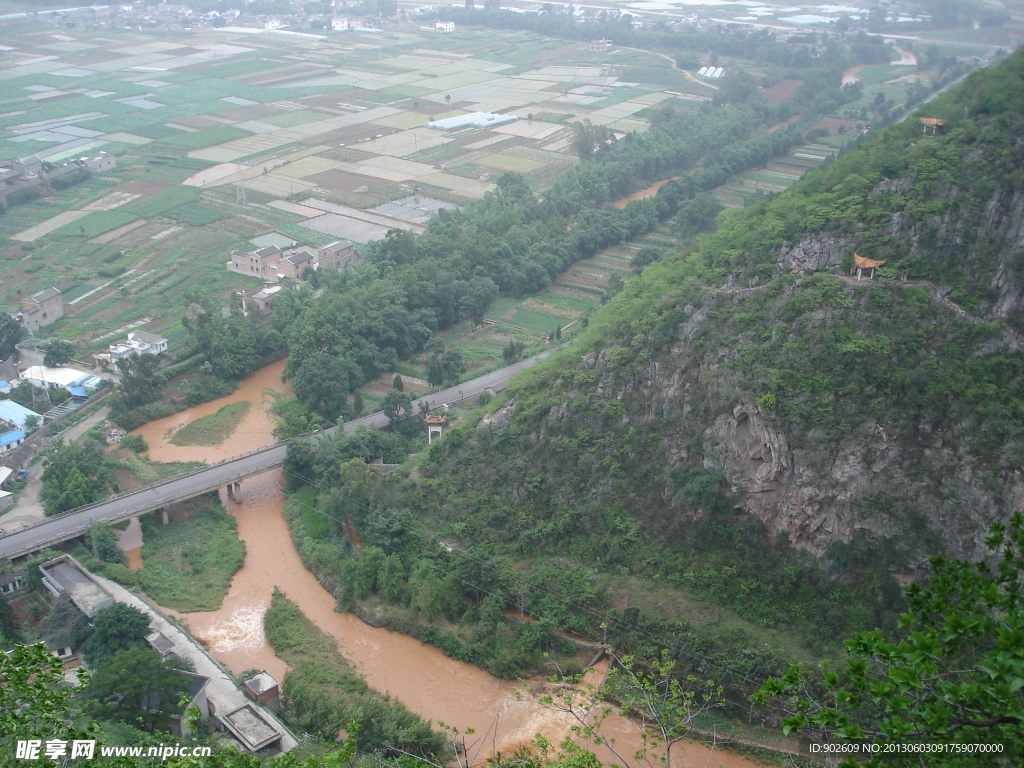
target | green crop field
[
  {"x": 95, "y": 223},
  {"x": 162, "y": 202}
]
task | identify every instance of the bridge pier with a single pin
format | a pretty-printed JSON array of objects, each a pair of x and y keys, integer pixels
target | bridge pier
[
  {"x": 235, "y": 492},
  {"x": 163, "y": 516}
]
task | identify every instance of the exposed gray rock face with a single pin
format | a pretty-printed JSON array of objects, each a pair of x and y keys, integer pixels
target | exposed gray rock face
[{"x": 815, "y": 254}]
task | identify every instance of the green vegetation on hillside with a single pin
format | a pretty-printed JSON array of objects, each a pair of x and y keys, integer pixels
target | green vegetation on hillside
[{"x": 625, "y": 454}]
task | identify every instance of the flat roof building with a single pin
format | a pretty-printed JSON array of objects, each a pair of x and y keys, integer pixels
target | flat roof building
[
  {"x": 471, "y": 120},
  {"x": 63, "y": 575}
]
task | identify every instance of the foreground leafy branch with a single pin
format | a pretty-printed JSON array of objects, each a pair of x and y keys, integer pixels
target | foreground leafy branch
[{"x": 955, "y": 678}]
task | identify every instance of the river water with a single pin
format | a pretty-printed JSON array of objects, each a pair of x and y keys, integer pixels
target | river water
[{"x": 503, "y": 714}]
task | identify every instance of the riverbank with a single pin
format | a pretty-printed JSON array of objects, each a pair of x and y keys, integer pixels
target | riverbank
[{"x": 428, "y": 683}]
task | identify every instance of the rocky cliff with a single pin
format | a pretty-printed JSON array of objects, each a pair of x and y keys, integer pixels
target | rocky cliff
[{"x": 750, "y": 391}]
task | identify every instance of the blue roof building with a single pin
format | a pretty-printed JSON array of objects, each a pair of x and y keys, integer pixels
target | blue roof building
[
  {"x": 16, "y": 413},
  {"x": 11, "y": 440}
]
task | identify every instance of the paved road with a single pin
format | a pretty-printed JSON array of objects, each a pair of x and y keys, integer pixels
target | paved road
[{"x": 163, "y": 493}]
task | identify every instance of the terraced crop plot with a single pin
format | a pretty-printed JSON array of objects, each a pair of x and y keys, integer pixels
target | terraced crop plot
[{"x": 220, "y": 137}]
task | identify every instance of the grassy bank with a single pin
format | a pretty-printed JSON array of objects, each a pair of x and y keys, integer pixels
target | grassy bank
[
  {"x": 323, "y": 694},
  {"x": 215, "y": 428},
  {"x": 189, "y": 563}
]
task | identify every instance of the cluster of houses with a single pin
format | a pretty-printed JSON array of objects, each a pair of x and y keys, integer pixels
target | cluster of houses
[
  {"x": 238, "y": 715},
  {"x": 272, "y": 265},
  {"x": 171, "y": 17},
  {"x": 28, "y": 172}
]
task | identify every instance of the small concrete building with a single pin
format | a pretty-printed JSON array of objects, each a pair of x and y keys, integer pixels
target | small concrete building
[
  {"x": 445, "y": 26},
  {"x": 41, "y": 309},
  {"x": 599, "y": 46},
  {"x": 262, "y": 688},
  {"x": 339, "y": 25},
  {"x": 264, "y": 298},
  {"x": 161, "y": 644},
  {"x": 253, "y": 729}
]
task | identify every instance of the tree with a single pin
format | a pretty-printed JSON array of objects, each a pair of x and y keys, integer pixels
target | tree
[
  {"x": 58, "y": 353},
  {"x": 323, "y": 382},
  {"x": 10, "y": 632},
  {"x": 140, "y": 381},
  {"x": 954, "y": 676},
  {"x": 397, "y": 384},
  {"x": 136, "y": 686},
  {"x": 662, "y": 703},
  {"x": 512, "y": 352},
  {"x": 10, "y": 334},
  {"x": 104, "y": 544},
  {"x": 589, "y": 138},
  {"x": 117, "y": 627},
  {"x": 34, "y": 702},
  {"x": 75, "y": 474},
  {"x": 396, "y": 406}
]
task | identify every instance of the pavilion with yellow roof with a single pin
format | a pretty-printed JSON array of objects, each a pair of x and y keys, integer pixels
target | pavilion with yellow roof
[{"x": 865, "y": 266}]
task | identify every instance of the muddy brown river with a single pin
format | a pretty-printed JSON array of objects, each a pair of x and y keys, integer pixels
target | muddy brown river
[{"x": 502, "y": 713}]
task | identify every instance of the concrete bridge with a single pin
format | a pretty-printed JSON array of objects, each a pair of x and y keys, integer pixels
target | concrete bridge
[{"x": 225, "y": 474}]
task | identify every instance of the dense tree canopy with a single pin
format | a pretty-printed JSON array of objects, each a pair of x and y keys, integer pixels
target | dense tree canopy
[
  {"x": 954, "y": 676},
  {"x": 118, "y": 627},
  {"x": 76, "y": 474}
]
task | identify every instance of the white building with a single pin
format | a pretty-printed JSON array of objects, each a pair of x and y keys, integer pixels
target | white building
[
  {"x": 339, "y": 25},
  {"x": 75, "y": 382},
  {"x": 445, "y": 26},
  {"x": 138, "y": 343},
  {"x": 102, "y": 162}
]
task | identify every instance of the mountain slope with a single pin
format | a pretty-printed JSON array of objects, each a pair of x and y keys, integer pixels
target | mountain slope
[{"x": 748, "y": 396}]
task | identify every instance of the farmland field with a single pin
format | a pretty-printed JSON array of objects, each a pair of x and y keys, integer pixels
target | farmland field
[{"x": 220, "y": 137}]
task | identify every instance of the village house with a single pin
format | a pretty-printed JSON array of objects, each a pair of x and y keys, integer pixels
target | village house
[
  {"x": 137, "y": 343},
  {"x": 255, "y": 263},
  {"x": 445, "y": 26},
  {"x": 10, "y": 440},
  {"x": 294, "y": 262},
  {"x": 338, "y": 255},
  {"x": 273, "y": 265},
  {"x": 40, "y": 309},
  {"x": 339, "y": 25},
  {"x": 102, "y": 162},
  {"x": 16, "y": 414}
]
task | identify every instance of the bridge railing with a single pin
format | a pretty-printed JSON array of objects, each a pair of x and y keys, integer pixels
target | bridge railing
[
  {"x": 208, "y": 467},
  {"x": 158, "y": 484}
]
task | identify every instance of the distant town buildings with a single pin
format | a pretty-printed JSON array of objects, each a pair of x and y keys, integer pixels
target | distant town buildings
[{"x": 27, "y": 172}]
